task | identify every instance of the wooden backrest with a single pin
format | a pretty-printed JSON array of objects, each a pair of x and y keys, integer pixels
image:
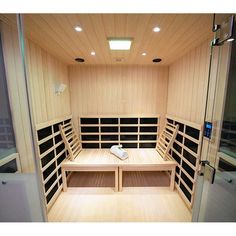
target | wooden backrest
[
  {"x": 166, "y": 140},
  {"x": 71, "y": 140}
]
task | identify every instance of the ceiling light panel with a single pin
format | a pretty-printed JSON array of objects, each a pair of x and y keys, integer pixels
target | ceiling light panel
[{"x": 120, "y": 44}]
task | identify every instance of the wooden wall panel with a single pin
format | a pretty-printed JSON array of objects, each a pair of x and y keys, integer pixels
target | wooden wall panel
[
  {"x": 188, "y": 84},
  {"x": 102, "y": 90},
  {"x": 44, "y": 73}
]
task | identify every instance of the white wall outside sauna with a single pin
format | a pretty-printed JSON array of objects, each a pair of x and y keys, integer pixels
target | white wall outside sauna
[
  {"x": 20, "y": 201},
  {"x": 187, "y": 89},
  {"x": 121, "y": 89}
]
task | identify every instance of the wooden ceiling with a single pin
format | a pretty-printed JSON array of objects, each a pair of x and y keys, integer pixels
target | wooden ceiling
[{"x": 179, "y": 33}]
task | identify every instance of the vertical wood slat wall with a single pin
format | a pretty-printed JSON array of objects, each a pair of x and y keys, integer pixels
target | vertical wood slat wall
[
  {"x": 187, "y": 90},
  {"x": 186, "y": 151},
  {"x": 187, "y": 86},
  {"x": 45, "y": 72},
  {"x": 127, "y": 89},
  {"x": 51, "y": 152}
]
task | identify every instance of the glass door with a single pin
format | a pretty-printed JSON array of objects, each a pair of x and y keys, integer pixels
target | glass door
[
  {"x": 216, "y": 184},
  {"x": 9, "y": 160},
  {"x": 20, "y": 186}
]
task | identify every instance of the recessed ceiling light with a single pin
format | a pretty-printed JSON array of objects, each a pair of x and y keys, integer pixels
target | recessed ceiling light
[
  {"x": 230, "y": 40},
  {"x": 93, "y": 53},
  {"x": 78, "y": 28},
  {"x": 156, "y": 29},
  {"x": 144, "y": 54},
  {"x": 120, "y": 43}
]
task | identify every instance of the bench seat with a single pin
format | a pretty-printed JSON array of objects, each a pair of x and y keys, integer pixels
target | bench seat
[{"x": 103, "y": 160}]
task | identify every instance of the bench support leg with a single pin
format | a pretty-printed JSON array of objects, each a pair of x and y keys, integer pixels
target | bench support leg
[
  {"x": 172, "y": 179},
  {"x": 116, "y": 180},
  {"x": 64, "y": 183},
  {"x": 120, "y": 179}
]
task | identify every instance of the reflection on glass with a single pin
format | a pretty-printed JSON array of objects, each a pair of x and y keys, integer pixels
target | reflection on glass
[
  {"x": 228, "y": 135},
  {"x": 7, "y": 140}
]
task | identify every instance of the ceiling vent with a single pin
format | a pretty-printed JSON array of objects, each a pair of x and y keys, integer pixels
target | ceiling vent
[
  {"x": 156, "y": 60},
  {"x": 119, "y": 59},
  {"x": 79, "y": 59}
]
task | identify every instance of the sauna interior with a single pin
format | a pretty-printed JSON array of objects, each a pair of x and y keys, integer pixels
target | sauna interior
[{"x": 70, "y": 97}]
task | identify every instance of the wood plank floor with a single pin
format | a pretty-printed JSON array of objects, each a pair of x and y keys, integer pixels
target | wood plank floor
[{"x": 133, "y": 204}]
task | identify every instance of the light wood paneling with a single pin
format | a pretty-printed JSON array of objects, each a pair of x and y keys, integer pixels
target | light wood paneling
[
  {"x": 44, "y": 73},
  {"x": 179, "y": 33},
  {"x": 188, "y": 84},
  {"x": 103, "y": 90},
  {"x": 17, "y": 96}
]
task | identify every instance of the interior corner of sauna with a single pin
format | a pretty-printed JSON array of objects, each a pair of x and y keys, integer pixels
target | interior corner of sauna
[{"x": 116, "y": 97}]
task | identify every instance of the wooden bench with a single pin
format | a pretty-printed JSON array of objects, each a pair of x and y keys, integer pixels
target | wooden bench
[
  {"x": 146, "y": 160},
  {"x": 102, "y": 160},
  {"x": 91, "y": 160}
]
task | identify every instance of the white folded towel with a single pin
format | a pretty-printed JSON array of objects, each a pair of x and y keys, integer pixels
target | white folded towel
[{"x": 118, "y": 151}]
